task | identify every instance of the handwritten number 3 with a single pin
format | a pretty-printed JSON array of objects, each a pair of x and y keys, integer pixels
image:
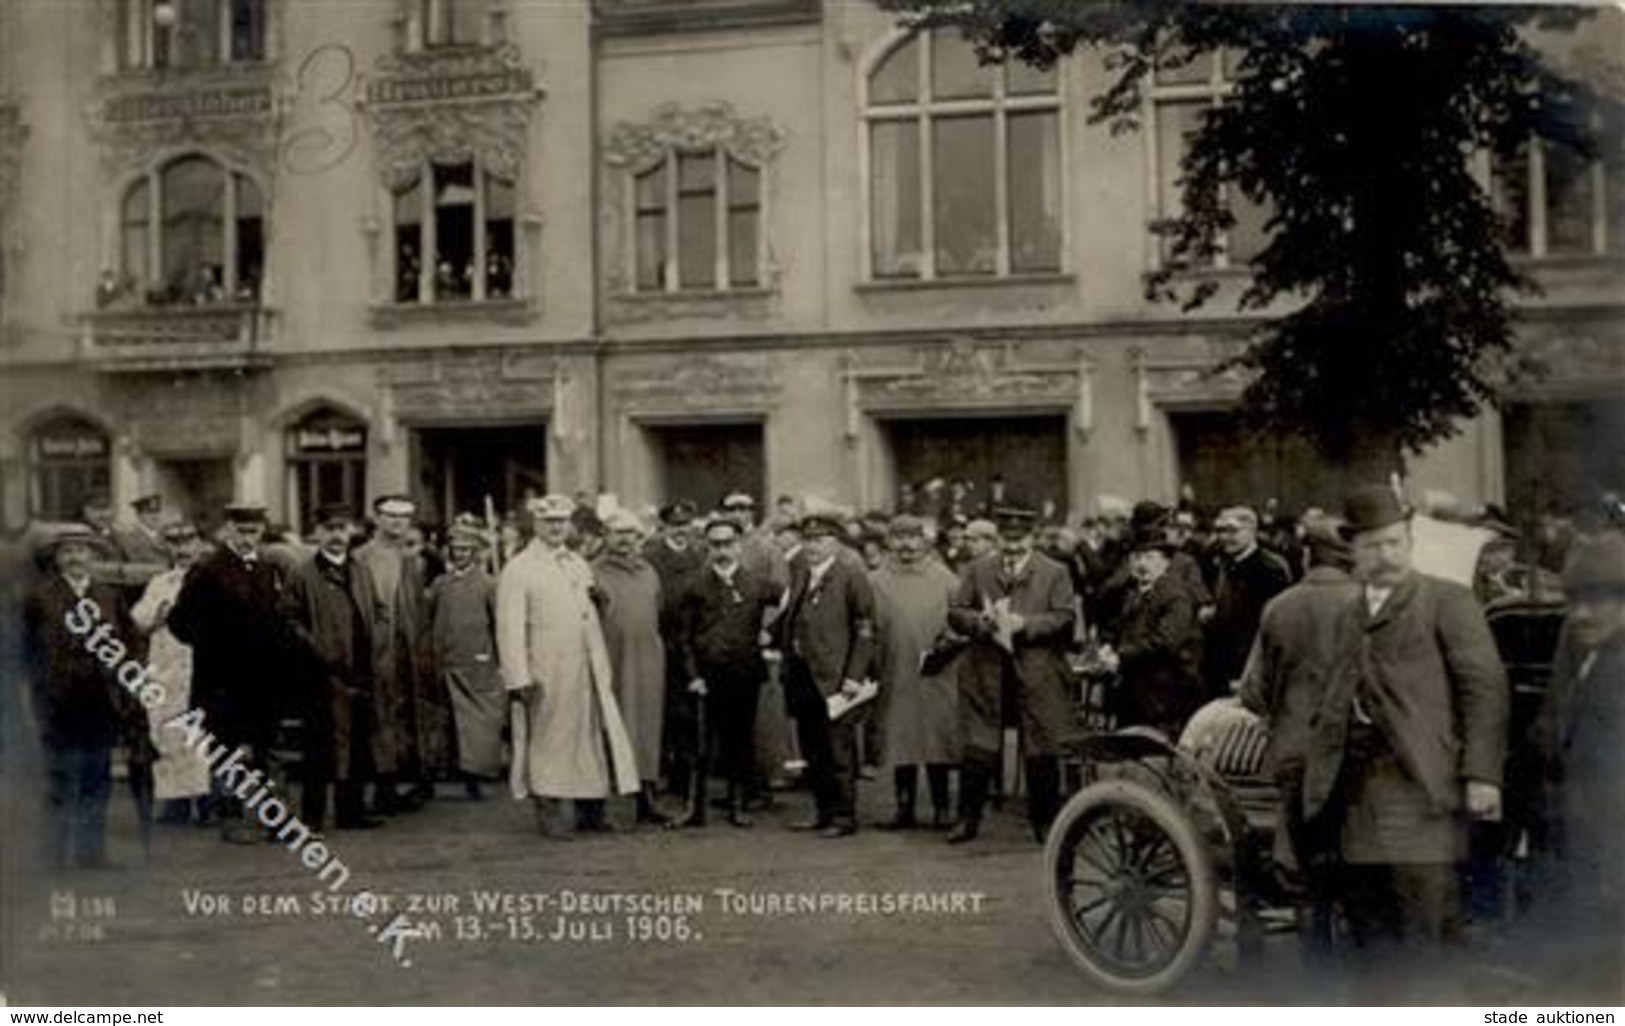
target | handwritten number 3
[{"x": 325, "y": 82}]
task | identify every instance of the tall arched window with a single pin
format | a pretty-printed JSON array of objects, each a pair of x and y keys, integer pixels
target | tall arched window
[
  {"x": 193, "y": 231},
  {"x": 964, "y": 163},
  {"x": 69, "y": 461}
]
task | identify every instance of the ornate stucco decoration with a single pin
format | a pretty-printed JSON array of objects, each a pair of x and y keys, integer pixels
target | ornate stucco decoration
[
  {"x": 473, "y": 385},
  {"x": 688, "y": 383},
  {"x": 961, "y": 373},
  {"x": 450, "y": 106},
  {"x": 235, "y": 114},
  {"x": 1185, "y": 380},
  {"x": 1566, "y": 358},
  {"x": 638, "y": 147}
]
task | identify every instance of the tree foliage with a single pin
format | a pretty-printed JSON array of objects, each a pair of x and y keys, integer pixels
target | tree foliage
[{"x": 1356, "y": 127}]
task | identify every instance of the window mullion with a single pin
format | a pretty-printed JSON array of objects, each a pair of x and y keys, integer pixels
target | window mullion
[
  {"x": 669, "y": 265},
  {"x": 928, "y": 229},
  {"x": 477, "y": 286},
  {"x": 222, "y": 11},
  {"x": 428, "y": 243},
  {"x": 228, "y": 258},
  {"x": 629, "y": 232},
  {"x": 1001, "y": 179},
  {"x": 720, "y": 220},
  {"x": 155, "y": 229},
  {"x": 1599, "y": 208}
]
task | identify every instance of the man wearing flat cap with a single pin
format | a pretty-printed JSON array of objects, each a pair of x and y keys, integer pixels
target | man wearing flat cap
[
  {"x": 331, "y": 602},
  {"x": 1579, "y": 740},
  {"x": 570, "y": 744},
  {"x": 243, "y": 651},
  {"x": 1408, "y": 740},
  {"x": 827, "y": 635},
  {"x": 1017, "y": 608},
  {"x": 462, "y": 645},
  {"x": 412, "y": 732}
]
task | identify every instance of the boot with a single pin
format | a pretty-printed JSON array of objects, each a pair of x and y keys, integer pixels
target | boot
[
  {"x": 695, "y": 816},
  {"x": 648, "y": 815},
  {"x": 906, "y": 780},
  {"x": 550, "y": 820},
  {"x": 1043, "y": 794},
  {"x": 973, "y": 782},
  {"x": 736, "y": 808},
  {"x": 936, "y": 780}
]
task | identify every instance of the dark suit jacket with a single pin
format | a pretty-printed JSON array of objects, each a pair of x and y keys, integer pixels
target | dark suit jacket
[
  {"x": 719, "y": 627},
  {"x": 1238, "y": 601},
  {"x": 1159, "y": 644},
  {"x": 331, "y": 609},
  {"x": 1042, "y": 595},
  {"x": 830, "y": 628},
  {"x": 77, "y": 697},
  {"x": 243, "y": 650},
  {"x": 1429, "y": 675}
]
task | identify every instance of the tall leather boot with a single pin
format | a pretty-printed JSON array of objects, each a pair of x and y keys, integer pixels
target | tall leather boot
[
  {"x": 1043, "y": 794},
  {"x": 695, "y": 816},
  {"x": 936, "y": 781},
  {"x": 973, "y": 785},
  {"x": 906, "y": 782}
]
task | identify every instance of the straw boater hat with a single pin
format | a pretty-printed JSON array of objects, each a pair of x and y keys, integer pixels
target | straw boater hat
[
  {"x": 76, "y": 534},
  {"x": 622, "y": 520},
  {"x": 394, "y": 505}
]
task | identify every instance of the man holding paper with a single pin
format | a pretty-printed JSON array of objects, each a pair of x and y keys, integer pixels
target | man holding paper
[{"x": 1017, "y": 609}]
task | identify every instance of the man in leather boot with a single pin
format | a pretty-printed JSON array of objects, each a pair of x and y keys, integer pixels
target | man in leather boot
[
  {"x": 906, "y": 783},
  {"x": 973, "y": 784}
]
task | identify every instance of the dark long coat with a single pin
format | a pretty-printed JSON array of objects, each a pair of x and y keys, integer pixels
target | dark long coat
[
  {"x": 1428, "y": 674},
  {"x": 1042, "y": 595},
  {"x": 331, "y": 609},
  {"x": 243, "y": 651},
  {"x": 1159, "y": 645},
  {"x": 412, "y": 714},
  {"x": 1239, "y": 595},
  {"x": 77, "y": 698}
]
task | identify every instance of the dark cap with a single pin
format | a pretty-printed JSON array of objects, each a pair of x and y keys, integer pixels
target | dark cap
[
  {"x": 1014, "y": 521},
  {"x": 822, "y": 524},
  {"x": 1151, "y": 537},
  {"x": 677, "y": 514},
  {"x": 245, "y": 513},
  {"x": 326, "y": 516},
  {"x": 1147, "y": 513},
  {"x": 148, "y": 504},
  {"x": 1372, "y": 508}
]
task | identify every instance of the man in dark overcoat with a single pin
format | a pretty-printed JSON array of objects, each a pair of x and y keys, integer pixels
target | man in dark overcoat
[
  {"x": 330, "y": 603},
  {"x": 1410, "y": 735},
  {"x": 1579, "y": 739},
  {"x": 1248, "y": 577},
  {"x": 827, "y": 636},
  {"x": 1016, "y": 606},
  {"x": 1159, "y": 642},
  {"x": 676, "y": 557},
  {"x": 79, "y": 703},
  {"x": 229, "y": 610}
]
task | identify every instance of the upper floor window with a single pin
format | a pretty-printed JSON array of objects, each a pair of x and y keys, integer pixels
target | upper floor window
[
  {"x": 699, "y": 220},
  {"x": 454, "y": 235},
  {"x": 184, "y": 35},
  {"x": 192, "y": 231},
  {"x": 964, "y": 163},
  {"x": 453, "y": 22},
  {"x": 1556, "y": 201},
  {"x": 1180, "y": 97}
]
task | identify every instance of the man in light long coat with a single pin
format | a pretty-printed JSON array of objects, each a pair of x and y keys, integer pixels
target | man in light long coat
[{"x": 569, "y": 741}]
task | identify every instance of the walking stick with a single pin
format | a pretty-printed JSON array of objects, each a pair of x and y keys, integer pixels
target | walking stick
[{"x": 696, "y": 790}]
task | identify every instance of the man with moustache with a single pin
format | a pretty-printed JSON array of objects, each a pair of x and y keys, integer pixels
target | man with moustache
[
  {"x": 631, "y": 616},
  {"x": 229, "y": 611},
  {"x": 1248, "y": 577},
  {"x": 330, "y": 603},
  {"x": 1407, "y": 742},
  {"x": 411, "y": 736},
  {"x": 571, "y": 747},
  {"x": 79, "y": 704},
  {"x": 1159, "y": 642},
  {"x": 720, "y": 634},
  {"x": 827, "y": 636},
  {"x": 462, "y": 644},
  {"x": 1017, "y": 609}
]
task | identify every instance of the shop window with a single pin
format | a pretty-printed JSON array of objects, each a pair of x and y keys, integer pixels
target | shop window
[
  {"x": 69, "y": 461},
  {"x": 327, "y": 465}
]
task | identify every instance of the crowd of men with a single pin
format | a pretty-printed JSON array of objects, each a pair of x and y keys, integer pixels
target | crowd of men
[{"x": 587, "y": 654}]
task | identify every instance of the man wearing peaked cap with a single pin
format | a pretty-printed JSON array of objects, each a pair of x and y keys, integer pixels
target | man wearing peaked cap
[
  {"x": 462, "y": 642},
  {"x": 1408, "y": 741}
]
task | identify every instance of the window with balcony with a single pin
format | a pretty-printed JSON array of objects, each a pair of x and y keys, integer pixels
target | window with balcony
[
  {"x": 1556, "y": 201},
  {"x": 192, "y": 231},
  {"x": 186, "y": 35},
  {"x": 698, "y": 222},
  {"x": 1180, "y": 98},
  {"x": 964, "y": 164},
  {"x": 70, "y": 460},
  {"x": 454, "y": 235}
]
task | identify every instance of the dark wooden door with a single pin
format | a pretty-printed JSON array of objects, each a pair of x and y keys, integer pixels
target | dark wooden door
[
  {"x": 704, "y": 462},
  {"x": 459, "y": 468},
  {"x": 1024, "y": 458}
]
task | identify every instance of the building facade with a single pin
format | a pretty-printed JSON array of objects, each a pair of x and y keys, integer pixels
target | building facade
[{"x": 470, "y": 249}]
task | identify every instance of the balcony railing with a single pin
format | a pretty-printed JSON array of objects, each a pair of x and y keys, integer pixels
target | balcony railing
[{"x": 219, "y": 335}]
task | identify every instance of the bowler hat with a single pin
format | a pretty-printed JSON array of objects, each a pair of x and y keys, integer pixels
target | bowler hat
[
  {"x": 1371, "y": 508},
  {"x": 1596, "y": 565}
]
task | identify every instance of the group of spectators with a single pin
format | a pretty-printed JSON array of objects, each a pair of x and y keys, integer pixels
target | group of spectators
[{"x": 585, "y": 652}]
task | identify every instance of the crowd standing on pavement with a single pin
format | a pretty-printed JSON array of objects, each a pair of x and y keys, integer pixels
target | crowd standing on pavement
[{"x": 703, "y": 662}]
